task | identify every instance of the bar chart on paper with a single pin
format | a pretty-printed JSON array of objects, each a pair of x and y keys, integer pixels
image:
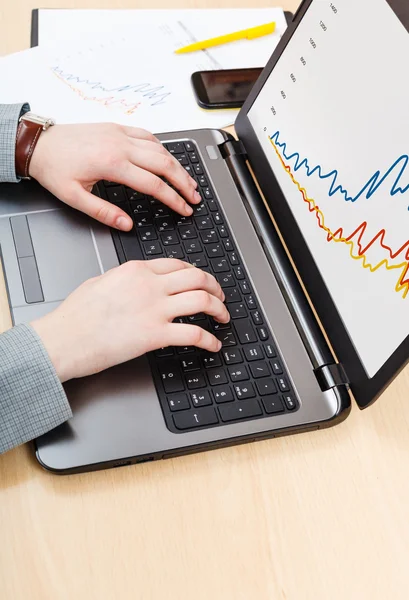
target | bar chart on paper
[{"x": 332, "y": 120}]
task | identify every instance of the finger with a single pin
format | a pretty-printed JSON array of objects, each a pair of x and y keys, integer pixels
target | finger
[
  {"x": 147, "y": 183},
  {"x": 98, "y": 209},
  {"x": 191, "y": 335},
  {"x": 193, "y": 279},
  {"x": 163, "y": 266},
  {"x": 198, "y": 301},
  {"x": 146, "y": 145},
  {"x": 138, "y": 133},
  {"x": 166, "y": 165}
]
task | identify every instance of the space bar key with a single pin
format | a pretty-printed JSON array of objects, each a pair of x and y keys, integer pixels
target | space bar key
[{"x": 130, "y": 245}]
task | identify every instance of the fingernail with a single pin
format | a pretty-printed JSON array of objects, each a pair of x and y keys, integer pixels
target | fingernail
[
  {"x": 194, "y": 183},
  {"x": 197, "y": 197},
  {"x": 188, "y": 209},
  {"x": 122, "y": 223},
  {"x": 219, "y": 346}
]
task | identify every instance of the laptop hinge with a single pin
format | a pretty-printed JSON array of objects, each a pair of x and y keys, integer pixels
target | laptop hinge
[
  {"x": 233, "y": 148},
  {"x": 330, "y": 376}
]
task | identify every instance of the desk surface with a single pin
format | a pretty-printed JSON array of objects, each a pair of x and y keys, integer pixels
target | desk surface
[{"x": 316, "y": 516}]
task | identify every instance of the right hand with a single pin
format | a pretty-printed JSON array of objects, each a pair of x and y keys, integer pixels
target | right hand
[{"x": 127, "y": 312}]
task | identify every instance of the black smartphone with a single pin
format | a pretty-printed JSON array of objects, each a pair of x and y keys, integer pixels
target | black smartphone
[{"x": 226, "y": 88}]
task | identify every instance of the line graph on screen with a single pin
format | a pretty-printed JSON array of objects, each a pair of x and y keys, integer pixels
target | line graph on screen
[{"x": 389, "y": 182}]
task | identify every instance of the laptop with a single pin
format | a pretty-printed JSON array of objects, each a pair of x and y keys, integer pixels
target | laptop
[{"x": 307, "y": 208}]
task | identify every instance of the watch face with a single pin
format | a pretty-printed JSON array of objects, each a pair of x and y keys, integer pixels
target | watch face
[{"x": 33, "y": 118}]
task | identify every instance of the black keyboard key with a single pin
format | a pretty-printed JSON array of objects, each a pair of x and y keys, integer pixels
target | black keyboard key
[
  {"x": 228, "y": 245},
  {"x": 198, "y": 260},
  {"x": 227, "y": 338},
  {"x": 218, "y": 219},
  {"x": 214, "y": 250},
  {"x": 161, "y": 211},
  {"x": 204, "y": 223},
  {"x": 130, "y": 245},
  {"x": 226, "y": 281},
  {"x": 143, "y": 220},
  {"x": 183, "y": 159},
  {"x": 245, "y": 286},
  {"x": 259, "y": 369},
  {"x": 152, "y": 248},
  {"x": 196, "y": 381},
  {"x": 283, "y": 384},
  {"x": 238, "y": 310},
  {"x": 189, "y": 169},
  {"x": 289, "y": 401},
  {"x": 232, "y": 295},
  {"x": 192, "y": 247},
  {"x": 266, "y": 387},
  {"x": 175, "y": 147},
  {"x": 140, "y": 206},
  {"x": 211, "y": 360},
  {"x": 243, "y": 410},
  {"x": 245, "y": 332},
  {"x": 190, "y": 364},
  {"x": 163, "y": 352},
  {"x": 178, "y": 402},
  {"x": 244, "y": 390},
  {"x": 276, "y": 367},
  {"x": 270, "y": 351},
  {"x": 208, "y": 194},
  {"x": 197, "y": 317},
  {"x": 253, "y": 353},
  {"x": 116, "y": 194},
  {"x": 220, "y": 265},
  {"x": 223, "y": 393},
  {"x": 197, "y": 169},
  {"x": 238, "y": 374},
  {"x": 183, "y": 220},
  {"x": 263, "y": 333},
  {"x": 239, "y": 273},
  {"x": 212, "y": 205},
  {"x": 251, "y": 301},
  {"x": 164, "y": 223},
  {"x": 223, "y": 231},
  {"x": 232, "y": 357},
  {"x": 185, "y": 349},
  {"x": 202, "y": 417},
  {"x": 187, "y": 232},
  {"x": 169, "y": 239},
  {"x": 193, "y": 157},
  {"x": 147, "y": 234},
  {"x": 257, "y": 318},
  {"x": 202, "y": 181},
  {"x": 171, "y": 377},
  {"x": 189, "y": 147},
  {"x": 109, "y": 183},
  {"x": 233, "y": 258},
  {"x": 200, "y": 398},
  {"x": 217, "y": 376},
  {"x": 272, "y": 404},
  {"x": 200, "y": 210},
  {"x": 174, "y": 252},
  {"x": 209, "y": 236}
]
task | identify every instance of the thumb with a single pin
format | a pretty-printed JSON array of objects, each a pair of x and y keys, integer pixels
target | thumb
[{"x": 99, "y": 209}]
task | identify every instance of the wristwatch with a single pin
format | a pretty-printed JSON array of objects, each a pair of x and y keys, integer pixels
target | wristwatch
[{"x": 29, "y": 130}]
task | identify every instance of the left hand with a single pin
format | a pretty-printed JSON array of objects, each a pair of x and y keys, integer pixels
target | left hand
[{"x": 69, "y": 160}]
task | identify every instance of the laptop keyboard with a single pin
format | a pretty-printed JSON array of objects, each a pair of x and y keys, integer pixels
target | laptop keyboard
[{"x": 246, "y": 380}]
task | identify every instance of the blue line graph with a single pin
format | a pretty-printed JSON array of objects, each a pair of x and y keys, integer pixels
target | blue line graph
[
  {"x": 370, "y": 187},
  {"x": 157, "y": 94}
]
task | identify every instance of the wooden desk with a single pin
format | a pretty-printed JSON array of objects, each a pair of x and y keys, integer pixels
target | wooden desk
[{"x": 321, "y": 516}]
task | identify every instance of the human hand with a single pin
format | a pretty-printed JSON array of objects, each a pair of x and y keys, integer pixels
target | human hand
[
  {"x": 129, "y": 311},
  {"x": 69, "y": 159}
]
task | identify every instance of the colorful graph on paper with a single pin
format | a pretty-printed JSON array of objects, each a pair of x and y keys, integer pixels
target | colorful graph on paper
[
  {"x": 395, "y": 259},
  {"x": 332, "y": 121}
]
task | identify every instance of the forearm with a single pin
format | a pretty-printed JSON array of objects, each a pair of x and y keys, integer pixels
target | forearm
[
  {"x": 32, "y": 399},
  {"x": 9, "y": 116}
]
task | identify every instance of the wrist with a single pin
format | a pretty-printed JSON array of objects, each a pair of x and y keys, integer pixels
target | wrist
[{"x": 57, "y": 346}]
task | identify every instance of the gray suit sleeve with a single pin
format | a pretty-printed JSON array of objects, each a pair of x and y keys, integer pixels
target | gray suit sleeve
[
  {"x": 32, "y": 399},
  {"x": 9, "y": 116}
]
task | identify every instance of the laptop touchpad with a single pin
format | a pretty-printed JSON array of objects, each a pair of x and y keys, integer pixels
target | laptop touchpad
[{"x": 64, "y": 251}]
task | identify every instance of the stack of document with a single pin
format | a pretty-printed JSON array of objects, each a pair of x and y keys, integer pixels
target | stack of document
[{"x": 133, "y": 77}]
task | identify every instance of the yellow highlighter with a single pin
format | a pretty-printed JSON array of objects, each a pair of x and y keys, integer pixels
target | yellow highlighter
[{"x": 244, "y": 34}]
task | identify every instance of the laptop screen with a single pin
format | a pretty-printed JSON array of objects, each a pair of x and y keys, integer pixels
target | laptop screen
[{"x": 333, "y": 121}]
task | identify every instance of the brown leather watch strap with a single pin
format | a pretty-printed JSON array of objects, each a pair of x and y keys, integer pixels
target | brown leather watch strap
[{"x": 26, "y": 140}]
